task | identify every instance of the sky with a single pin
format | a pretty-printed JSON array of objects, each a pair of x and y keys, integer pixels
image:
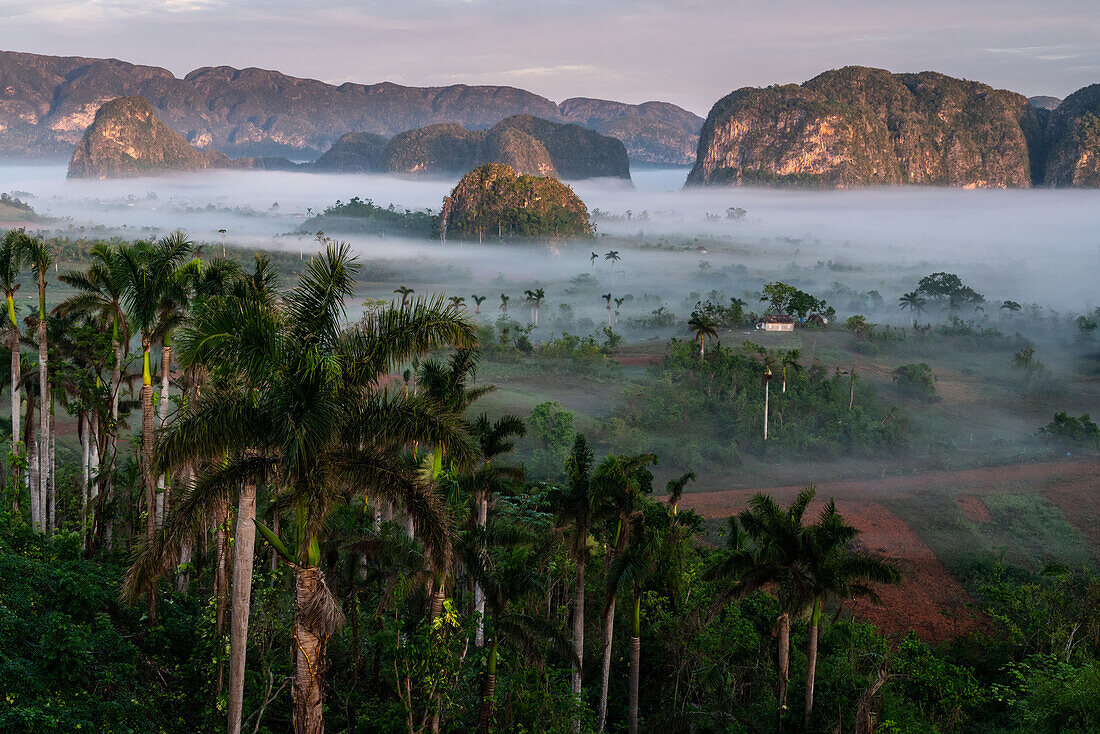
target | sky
[{"x": 689, "y": 52}]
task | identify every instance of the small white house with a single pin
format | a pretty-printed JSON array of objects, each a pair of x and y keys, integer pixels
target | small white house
[{"x": 772, "y": 322}]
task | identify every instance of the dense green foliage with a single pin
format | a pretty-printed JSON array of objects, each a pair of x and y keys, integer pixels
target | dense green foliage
[
  {"x": 363, "y": 216},
  {"x": 818, "y": 415}
]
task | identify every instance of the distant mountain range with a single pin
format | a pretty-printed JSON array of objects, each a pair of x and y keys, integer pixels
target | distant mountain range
[
  {"x": 858, "y": 126},
  {"x": 46, "y": 103}
]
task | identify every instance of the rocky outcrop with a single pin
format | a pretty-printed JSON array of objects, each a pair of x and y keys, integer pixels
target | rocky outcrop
[
  {"x": 46, "y": 102},
  {"x": 527, "y": 144},
  {"x": 354, "y": 153},
  {"x": 125, "y": 138},
  {"x": 1073, "y": 140},
  {"x": 493, "y": 201},
  {"x": 857, "y": 126},
  {"x": 1043, "y": 102},
  {"x": 653, "y": 132}
]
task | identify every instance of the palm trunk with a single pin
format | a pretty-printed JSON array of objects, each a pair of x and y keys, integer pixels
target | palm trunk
[
  {"x": 783, "y": 633},
  {"x": 221, "y": 582},
  {"x": 309, "y": 656},
  {"x": 605, "y": 670},
  {"x": 811, "y": 662},
  {"x": 488, "y": 699},
  {"x": 30, "y": 442},
  {"x": 479, "y": 594},
  {"x": 578, "y": 637},
  {"x": 635, "y": 663},
  {"x": 85, "y": 469},
  {"x": 162, "y": 418},
  {"x": 244, "y": 543},
  {"x": 43, "y": 402},
  {"x": 15, "y": 403},
  {"x": 52, "y": 457}
]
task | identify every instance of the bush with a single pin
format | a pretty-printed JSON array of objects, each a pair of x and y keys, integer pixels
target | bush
[
  {"x": 915, "y": 379},
  {"x": 1073, "y": 431}
]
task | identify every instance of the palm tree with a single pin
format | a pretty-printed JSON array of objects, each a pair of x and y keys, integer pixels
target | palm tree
[
  {"x": 657, "y": 536},
  {"x": 495, "y": 438},
  {"x": 607, "y": 299},
  {"x": 618, "y": 303},
  {"x": 504, "y": 303},
  {"x": 12, "y": 250},
  {"x": 789, "y": 359},
  {"x": 617, "y": 486},
  {"x": 592, "y": 260},
  {"x": 405, "y": 292},
  {"x": 613, "y": 257},
  {"x": 505, "y": 565},
  {"x": 39, "y": 256},
  {"x": 477, "y": 302},
  {"x": 703, "y": 326},
  {"x": 764, "y": 547},
  {"x": 912, "y": 301},
  {"x": 308, "y": 419},
  {"x": 575, "y": 509},
  {"x": 536, "y": 297},
  {"x": 830, "y": 569},
  {"x": 1010, "y": 306},
  {"x": 147, "y": 272},
  {"x": 100, "y": 292}
]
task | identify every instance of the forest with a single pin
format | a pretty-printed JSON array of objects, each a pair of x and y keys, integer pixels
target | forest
[{"x": 283, "y": 516}]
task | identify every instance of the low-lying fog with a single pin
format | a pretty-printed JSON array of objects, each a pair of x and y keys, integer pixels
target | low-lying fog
[{"x": 1039, "y": 246}]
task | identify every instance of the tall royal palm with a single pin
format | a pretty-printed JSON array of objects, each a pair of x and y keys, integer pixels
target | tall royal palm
[
  {"x": 575, "y": 511},
  {"x": 39, "y": 256},
  {"x": 302, "y": 413},
  {"x": 12, "y": 248},
  {"x": 99, "y": 299},
  {"x": 617, "y": 486},
  {"x": 148, "y": 273}
]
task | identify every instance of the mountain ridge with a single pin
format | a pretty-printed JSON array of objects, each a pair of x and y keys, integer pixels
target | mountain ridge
[{"x": 46, "y": 102}]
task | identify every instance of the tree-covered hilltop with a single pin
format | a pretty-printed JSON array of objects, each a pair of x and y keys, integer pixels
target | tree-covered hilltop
[
  {"x": 363, "y": 216},
  {"x": 857, "y": 125},
  {"x": 494, "y": 201}
]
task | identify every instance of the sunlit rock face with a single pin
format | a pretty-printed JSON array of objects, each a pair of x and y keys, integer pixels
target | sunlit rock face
[
  {"x": 1073, "y": 135},
  {"x": 127, "y": 139},
  {"x": 858, "y": 126}
]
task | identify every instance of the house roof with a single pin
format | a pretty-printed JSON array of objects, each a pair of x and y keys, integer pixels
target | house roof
[{"x": 777, "y": 319}]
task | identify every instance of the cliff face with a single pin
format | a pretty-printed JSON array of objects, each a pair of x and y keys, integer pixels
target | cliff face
[
  {"x": 494, "y": 201},
  {"x": 1073, "y": 139},
  {"x": 527, "y": 144},
  {"x": 126, "y": 139},
  {"x": 857, "y": 126},
  {"x": 653, "y": 132},
  {"x": 46, "y": 102}
]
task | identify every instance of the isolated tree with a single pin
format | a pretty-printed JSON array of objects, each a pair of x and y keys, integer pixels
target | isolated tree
[
  {"x": 477, "y": 302},
  {"x": 912, "y": 301},
  {"x": 405, "y": 292},
  {"x": 592, "y": 260},
  {"x": 504, "y": 298},
  {"x": 612, "y": 256},
  {"x": 1010, "y": 306},
  {"x": 618, "y": 304},
  {"x": 1025, "y": 360},
  {"x": 703, "y": 326},
  {"x": 457, "y": 302}
]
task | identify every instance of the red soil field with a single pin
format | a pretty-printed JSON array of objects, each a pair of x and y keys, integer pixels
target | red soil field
[
  {"x": 929, "y": 600},
  {"x": 974, "y": 509}
]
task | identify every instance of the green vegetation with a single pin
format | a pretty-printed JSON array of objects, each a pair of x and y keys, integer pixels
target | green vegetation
[
  {"x": 1073, "y": 431},
  {"x": 363, "y": 216}
]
